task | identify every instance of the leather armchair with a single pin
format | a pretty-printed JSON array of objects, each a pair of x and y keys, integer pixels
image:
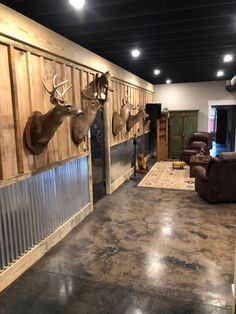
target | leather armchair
[
  {"x": 198, "y": 142},
  {"x": 216, "y": 183}
]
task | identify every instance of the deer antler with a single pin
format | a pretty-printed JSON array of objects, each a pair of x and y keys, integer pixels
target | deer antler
[
  {"x": 139, "y": 107},
  {"x": 55, "y": 95},
  {"x": 127, "y": 103}
]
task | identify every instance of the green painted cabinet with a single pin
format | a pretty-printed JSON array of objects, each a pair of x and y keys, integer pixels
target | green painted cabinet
[{"x": 182, "y": 124}]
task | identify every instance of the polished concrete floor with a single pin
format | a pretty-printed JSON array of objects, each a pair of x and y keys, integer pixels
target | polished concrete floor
[{"x": 142, "y": 251}]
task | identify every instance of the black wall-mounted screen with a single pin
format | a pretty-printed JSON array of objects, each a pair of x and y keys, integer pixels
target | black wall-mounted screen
[{"x": 154, "y": 111}]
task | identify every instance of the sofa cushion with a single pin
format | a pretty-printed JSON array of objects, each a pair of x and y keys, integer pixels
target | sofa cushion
[{"x": 227, "y": 156}]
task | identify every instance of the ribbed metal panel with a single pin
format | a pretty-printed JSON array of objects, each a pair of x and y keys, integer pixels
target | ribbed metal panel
[
  {"x": 122, "y": 155},
  {"x": 33, "y": 208}
]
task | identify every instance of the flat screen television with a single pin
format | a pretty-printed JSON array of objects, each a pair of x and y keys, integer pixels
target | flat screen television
[{"x": 154, "y": 111}]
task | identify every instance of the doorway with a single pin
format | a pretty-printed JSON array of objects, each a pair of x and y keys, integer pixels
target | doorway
[
  {"x": 98, "y": 157},
  {"x": 223, "y": 128}
]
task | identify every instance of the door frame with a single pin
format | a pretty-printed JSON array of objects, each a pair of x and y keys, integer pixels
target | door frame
[
  {"x": 224, "y": 102},
  {"x": 99, "y": 122},
  {"x": 107, "y": 146},
  {"x": 214, "y": 103}
]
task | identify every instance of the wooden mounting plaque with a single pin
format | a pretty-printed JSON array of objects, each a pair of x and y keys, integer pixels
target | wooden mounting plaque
[{"x": 34, "y": 149}]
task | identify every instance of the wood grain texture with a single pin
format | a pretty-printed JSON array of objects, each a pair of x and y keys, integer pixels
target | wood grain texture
[
  {"x": 22, "y": 29},
  {"x": 16, "y": 110},
  {"x": 23, "y": 73},
  {"x": 8, "y": 163},
  {"x": 28, "y": 58}
]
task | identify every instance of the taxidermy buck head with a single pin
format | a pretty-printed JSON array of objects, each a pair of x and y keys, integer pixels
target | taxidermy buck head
[
  {"x": 40, "y": 128},
  {"x": 133, "y": 119},
  {"x": 146, "y": 124},
  {"x": 119, "y": 119},
  {"x": 94, "y": 95},
  {"x": 98, "y": 88},
  {"x": 82, "y": 123}
]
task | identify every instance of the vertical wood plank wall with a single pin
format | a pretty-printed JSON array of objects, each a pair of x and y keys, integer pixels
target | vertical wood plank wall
[
  {"x": 21, "y": 85},
  {"x": 30, "y": 54},
  {"x": 23, "y": 70},
  {"x": 137, "y": 96}
]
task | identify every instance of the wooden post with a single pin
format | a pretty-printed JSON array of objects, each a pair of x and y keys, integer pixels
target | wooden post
[
  {"x": 107, "y": 126},
  {"x": 18, "y": 136}
]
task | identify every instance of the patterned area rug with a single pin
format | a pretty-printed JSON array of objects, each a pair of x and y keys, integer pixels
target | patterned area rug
[{"x": 162, "y": 175}]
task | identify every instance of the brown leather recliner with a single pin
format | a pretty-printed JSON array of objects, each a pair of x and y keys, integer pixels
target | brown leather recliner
[
  {"x": 198, "y": 142},
  {"x": 217, "y": 183}
]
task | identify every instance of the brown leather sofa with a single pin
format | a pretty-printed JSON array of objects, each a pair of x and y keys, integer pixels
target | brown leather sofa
[
  {"x": 198, "y": 142},
  {"x": 217, "y": 183}
]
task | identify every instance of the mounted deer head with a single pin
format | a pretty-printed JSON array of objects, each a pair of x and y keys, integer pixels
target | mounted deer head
[
  {"x": 119, "y": 120},
  {"x": 133, "y": 119},
  {"x": 40, "y": 128},
  {"x": 82, "y": 123},
  {"x": 146, "y": 124},
  {"x": 98, "y": 88}
]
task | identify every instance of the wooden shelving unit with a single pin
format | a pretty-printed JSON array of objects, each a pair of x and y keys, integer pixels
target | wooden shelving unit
[{"x": 162, "y": 137}]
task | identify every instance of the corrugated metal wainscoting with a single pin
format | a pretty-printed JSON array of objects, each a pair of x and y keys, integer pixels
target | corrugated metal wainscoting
[
  {"x": 122, "y": 155},
  {"x": 32, "y": 209}
]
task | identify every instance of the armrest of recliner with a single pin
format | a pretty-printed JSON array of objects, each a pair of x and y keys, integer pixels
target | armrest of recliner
[{"x": 200, "y": 174}]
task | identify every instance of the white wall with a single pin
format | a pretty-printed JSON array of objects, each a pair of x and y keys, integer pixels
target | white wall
[{"x": 191, "y": 96}]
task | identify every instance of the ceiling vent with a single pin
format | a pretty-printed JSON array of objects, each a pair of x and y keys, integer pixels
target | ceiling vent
[{"x": 231, "y": 85}]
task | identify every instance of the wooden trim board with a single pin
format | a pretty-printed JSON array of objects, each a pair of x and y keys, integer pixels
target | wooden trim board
[{"x": 9, "y": 275}]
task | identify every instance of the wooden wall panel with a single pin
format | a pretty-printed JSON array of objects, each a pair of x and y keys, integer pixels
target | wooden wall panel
[
  {"x": 49, "y": 72},
  {"x": 8, "y": 159},
  {"x": 136, "y": 126},
  {"x": 131, "y": 132},
  {"x": 62, "y": 131},
  {"x": 111, "y": 106},
  {"x": 84, "y": 80},
  {"x": 23, "y": 72},
  {"x": 127, "y": 93},
  {"x": 23, "y": 96},
  {"x": 122, "y": 96},
  {"x": 76, "y": 100},
  {"x": 116, "y": 107},
  {"x": 35, "y": 77},
  {"x": 119, "y": 103},
  {"x": 137, "y": 96}
]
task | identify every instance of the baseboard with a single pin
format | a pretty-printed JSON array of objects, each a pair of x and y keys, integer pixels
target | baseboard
[
  {"x": 148, "y": 157},
  {"x": 124, "y": 177},
  {"x": 11, "y": 273},
  {"x": 121, "y": 180}
]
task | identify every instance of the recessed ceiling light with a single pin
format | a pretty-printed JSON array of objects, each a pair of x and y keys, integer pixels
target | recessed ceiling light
[
  {"x": 220, "y": 73},
  {"x": 78, "y": 4},
  {"x": 228, "y": 58},
  {"x": 156, "y": 71},
  {"x": 135, "y": 53},
  {"x": 168, "y": 81}
]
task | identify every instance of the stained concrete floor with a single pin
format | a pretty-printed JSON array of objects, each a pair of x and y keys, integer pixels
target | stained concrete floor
[{"x": 142, "y": 251}]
